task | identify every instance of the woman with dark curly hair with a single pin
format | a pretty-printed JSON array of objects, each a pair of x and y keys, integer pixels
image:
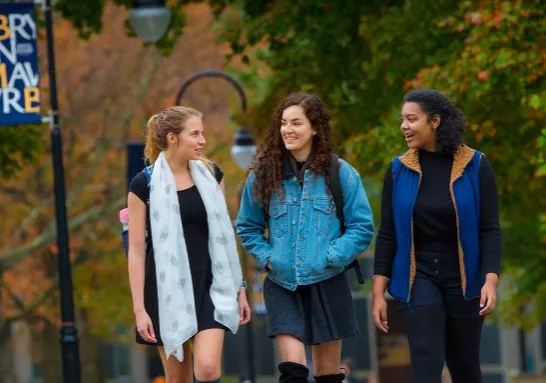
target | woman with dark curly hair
[
  {"x": 305, "y": 251},
  {"x": 439, "y": 244}
]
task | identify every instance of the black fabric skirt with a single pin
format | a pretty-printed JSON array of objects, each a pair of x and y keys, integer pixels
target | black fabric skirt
[
  {"x": 319, "y": 313},
  {"x": 203, "y": 305}
]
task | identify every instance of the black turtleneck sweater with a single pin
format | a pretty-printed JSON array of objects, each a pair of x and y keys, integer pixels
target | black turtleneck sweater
[{"x": 434, "y": 220}]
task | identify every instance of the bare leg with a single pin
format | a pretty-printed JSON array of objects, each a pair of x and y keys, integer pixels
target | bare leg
[
  {"x": 207, "y": 354},
  {"x": 291, "y": 348},
  {"x": 293, "y": 367},
  {"x": 327, "y": 358},
  {"x": 175, "y": 371}
]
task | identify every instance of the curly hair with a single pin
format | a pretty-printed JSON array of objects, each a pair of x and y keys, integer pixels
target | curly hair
[
  {"x": 450, "y": 132},
  {"x": 267, "y": 164}
]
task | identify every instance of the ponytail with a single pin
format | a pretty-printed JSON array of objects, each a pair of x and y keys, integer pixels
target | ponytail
[
  {"x": 152, "y": 150},
  {"x": 208, "y": 165},
  {"x": 170, "y": 120}
]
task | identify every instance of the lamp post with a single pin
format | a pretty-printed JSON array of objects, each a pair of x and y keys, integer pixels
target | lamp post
[
  {"x": 242, "y": 151},
  {"x": 150, "y": 19},
  {"x": 244, "y": 146},
  {"x": 69, "y": 334}
]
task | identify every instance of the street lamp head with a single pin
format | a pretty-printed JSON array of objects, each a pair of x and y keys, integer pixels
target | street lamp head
[
  {"x": 150, "y": 19},
  {"x": 243, "y": 149}
]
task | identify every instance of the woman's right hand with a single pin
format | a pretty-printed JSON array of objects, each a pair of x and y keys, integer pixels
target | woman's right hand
[
  {"x": 144, "y": 327},
  {"x": 379, "y": 313}
]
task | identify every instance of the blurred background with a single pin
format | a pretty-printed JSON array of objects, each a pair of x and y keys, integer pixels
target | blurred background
[{"x": 361, "y": 57}]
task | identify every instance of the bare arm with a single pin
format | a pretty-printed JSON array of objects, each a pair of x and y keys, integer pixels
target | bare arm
[{"x": 137, "y": 250}]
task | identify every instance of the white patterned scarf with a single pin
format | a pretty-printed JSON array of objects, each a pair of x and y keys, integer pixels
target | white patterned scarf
[{"x": 177, "y": 317}]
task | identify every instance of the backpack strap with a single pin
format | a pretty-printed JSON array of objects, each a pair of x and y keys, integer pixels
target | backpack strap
[
  {"x": 148, "y": 172},
  {"x": 337, "y": 194}
]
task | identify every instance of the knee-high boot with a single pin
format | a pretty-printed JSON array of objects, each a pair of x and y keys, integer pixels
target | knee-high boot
[{"x": 293, "y": 373}]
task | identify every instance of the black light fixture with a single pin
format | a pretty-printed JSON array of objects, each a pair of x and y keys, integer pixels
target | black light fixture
[
  {"x": 244, "y": 146},
  {"x": 243, "y": 149},
  {"x": 150, "y": 19}
]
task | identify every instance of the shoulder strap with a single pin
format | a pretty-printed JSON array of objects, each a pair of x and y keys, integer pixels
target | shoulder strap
[
  {"x": 337, "y": 193},
  {"x": 148, "y": 172}
]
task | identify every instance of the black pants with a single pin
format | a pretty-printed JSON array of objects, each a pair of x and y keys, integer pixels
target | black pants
[
  {"x": 441, "y": 325},
  {"x": 434, "y": 337}
]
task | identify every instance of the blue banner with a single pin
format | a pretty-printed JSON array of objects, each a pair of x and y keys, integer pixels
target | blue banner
[{"x": 19, "y": 76}]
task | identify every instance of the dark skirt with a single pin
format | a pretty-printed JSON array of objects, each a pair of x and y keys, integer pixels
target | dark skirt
[
  {"x": 203, "y": 305},
  {"x": 319, "y": 313}
]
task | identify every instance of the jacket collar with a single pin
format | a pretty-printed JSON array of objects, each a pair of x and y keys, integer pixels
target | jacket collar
[
  {"x": 461, "y": 159},
  {"x": 289, "y": 168}
]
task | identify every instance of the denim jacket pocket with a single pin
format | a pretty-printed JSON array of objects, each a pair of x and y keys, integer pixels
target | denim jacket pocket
[
  {"x": 278, "y": 219},
  {"x": 323, "y": 210}
]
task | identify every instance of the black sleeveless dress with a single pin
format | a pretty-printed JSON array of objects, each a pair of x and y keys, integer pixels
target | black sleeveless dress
[{"x": 196, "y": 234}]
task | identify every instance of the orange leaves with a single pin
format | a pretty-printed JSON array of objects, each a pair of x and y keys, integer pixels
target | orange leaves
[
  {"x": 474, "y": 18},
  {"x": 483, "y": 75},
  {"x": 481, "y": 131},
  {"x": 108, "y": 86}
]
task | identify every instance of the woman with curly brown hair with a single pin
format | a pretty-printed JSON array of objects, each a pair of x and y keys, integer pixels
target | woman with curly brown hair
[{"x": 305, "y": 251}]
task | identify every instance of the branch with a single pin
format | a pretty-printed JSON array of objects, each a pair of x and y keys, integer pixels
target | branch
[
  {"x": 218, "y": 146},
  {"x": 28, "y": 309},
  {"x": 16, "y": 195},
  {"x": 106, "y": 142},
  {"x": 13, "y": 257},
  {"x": 14, "y": 297}
]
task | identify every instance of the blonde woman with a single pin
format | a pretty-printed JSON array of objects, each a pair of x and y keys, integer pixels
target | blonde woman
[{"x": 184, "y": 270}]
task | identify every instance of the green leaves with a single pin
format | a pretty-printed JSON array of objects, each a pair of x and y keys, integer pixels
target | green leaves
[
  {"x": 361, "y": 57},
  {"x": 19, "y": 145},
  {"x": 88, "y": 18}
]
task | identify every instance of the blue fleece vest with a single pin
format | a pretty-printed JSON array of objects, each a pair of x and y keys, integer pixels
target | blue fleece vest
[{"x": 465, "y": 192}]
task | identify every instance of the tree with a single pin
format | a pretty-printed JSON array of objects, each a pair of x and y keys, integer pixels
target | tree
[
  {"x": 108, "y": 87},
  {"x": 361, "y": 57},
  {"x": 18, "y": 146}
]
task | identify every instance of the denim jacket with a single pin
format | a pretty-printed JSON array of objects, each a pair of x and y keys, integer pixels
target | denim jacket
[{"x": 304, "y": 243}]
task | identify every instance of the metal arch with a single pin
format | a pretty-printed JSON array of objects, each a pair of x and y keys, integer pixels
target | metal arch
[{"x": 211, "y": 73}]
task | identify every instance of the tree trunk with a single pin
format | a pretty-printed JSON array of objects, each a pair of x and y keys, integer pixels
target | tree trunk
[
  {"x": 6, "y": 353},
  {"x": 21, "y": 333},
  {"x": 50, "y": 347},
  {"x": 90, "y": 352}
]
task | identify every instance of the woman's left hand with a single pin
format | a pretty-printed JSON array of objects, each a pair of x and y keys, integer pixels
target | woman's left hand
[
  {"x": 488, "y": 299},
  {"x": 244, "y": 307}
]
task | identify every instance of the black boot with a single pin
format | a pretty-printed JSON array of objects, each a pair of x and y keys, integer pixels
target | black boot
[
  {"x": 333, "y": 378},
  {"x": 293, "y": 373}
]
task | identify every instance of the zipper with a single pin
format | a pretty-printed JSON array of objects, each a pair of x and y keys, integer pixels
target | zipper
[
  {"x": 412, "y": 249},
  {"x": 460, "y": 251}
]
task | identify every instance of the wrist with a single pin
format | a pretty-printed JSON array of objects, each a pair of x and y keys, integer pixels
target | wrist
[
  {"x": 379, "y": 287},
  {"x": 139, "y": 310},
  {"x": 492, "y": 278}
]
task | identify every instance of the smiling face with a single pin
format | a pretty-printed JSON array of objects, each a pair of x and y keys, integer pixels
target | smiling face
[
  {"x": 297, "y": 132},
  {"x": 418, "y": 129},
  {"x": 189, "y": 143}
]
